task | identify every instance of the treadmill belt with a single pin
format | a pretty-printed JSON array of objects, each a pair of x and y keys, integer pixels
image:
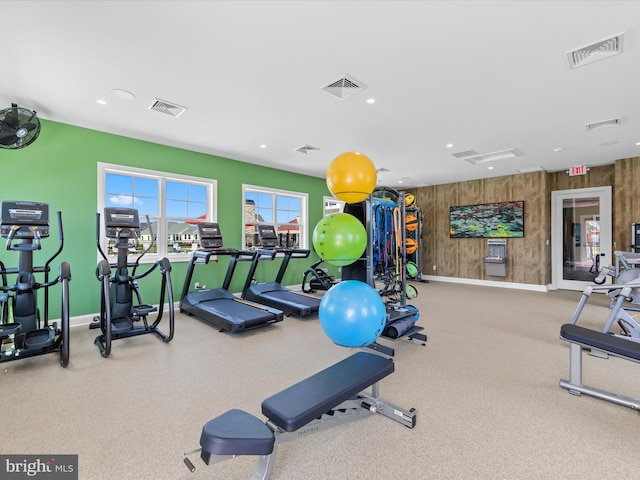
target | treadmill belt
[
  {"x": 234, "y": 311},
  {"x": 283, "y": 295}
]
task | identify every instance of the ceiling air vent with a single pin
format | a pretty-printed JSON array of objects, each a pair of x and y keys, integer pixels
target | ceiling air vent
[
  {"x": 596, "y": 51},
  {"x": 307, "y": 149},
  {"x": 167, "y": 108},
  {"x": 344, "y": 87},
  {"x": 493, "y": 156},
  {"x": 531, "y": 169},
  {"x": 465, "y": 154},
  {"x": 614, "y": 122},
  {"x": 474, "y": 157}
]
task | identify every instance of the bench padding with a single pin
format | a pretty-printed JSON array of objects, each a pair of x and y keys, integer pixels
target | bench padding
[
  {"x": 309, "y": 399},
  {"x": 236, "y": 432},
  {"x": 601, "y": 341}
]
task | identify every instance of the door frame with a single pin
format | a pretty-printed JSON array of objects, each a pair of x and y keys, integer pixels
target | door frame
[{"x": 606, "y": 229}]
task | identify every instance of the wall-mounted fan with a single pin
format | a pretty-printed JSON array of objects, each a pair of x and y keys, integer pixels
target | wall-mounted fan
[{"x": 19, "y": 127}]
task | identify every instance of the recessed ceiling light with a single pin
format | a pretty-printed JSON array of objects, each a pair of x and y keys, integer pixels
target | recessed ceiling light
[
  {"x": 263, "y": 146},
  {"x": 101, "y": 102},
  {"x": 637, "y": 143},
  {"x": 559, "y": 149},
  {"x": 124, "y": 94},
  {"x": 490, "y": 168},
  {"x": 449, "y": 145},
  {"x": 371, "y": 100}
]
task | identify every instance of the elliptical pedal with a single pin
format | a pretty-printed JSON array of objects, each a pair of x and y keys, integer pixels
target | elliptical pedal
[
  {"x": 122, "y": 324},
  {"x": 41, "y": 338},
  {"x": 143, "y": 310}
]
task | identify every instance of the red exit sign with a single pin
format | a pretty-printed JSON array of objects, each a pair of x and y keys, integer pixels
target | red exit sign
[{"x": 578, "y": 170}]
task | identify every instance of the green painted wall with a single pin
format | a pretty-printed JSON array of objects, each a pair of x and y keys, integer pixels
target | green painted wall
[{"x": 60, "y": 168}]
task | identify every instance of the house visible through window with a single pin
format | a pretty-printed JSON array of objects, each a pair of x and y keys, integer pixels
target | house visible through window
[
  {"x": 174, "y": 204},
  {"x": 287, "y": 211},
  {"x": 332, "y": 205}
]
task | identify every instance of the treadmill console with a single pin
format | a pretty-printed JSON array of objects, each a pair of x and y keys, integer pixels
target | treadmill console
[
  {"x": 210, "y": 236},
  {"x": 24, "y": 218},
  {"x": 267, "y": 235},
  {"x": 121, "y": 222}
]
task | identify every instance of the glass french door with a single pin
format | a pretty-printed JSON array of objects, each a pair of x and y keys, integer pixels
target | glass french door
[{"x": 580, "y": 235}]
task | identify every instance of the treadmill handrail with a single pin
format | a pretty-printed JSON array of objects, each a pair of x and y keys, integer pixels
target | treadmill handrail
[
  {"x": 300, "y": 253},
  {"x": 224, "y": 251},
  {"x": 259, "y": 255},
  {"x": 266, "y": 252}
]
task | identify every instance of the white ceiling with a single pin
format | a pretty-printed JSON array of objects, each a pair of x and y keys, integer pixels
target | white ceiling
[{"x": 481, "y": 75}]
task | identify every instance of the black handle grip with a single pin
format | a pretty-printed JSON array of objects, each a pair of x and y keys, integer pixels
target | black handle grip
[{"x": 189, "y": 465}]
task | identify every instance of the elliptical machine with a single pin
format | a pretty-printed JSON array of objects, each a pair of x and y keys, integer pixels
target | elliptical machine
[
  {"x": 22, "y": 331},
  {"x": 118, "y": 314}
]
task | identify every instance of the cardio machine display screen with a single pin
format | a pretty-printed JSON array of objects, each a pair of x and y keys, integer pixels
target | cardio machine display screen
[
  {"x": 121, "y": 222},
  {"x": 210, "y": 236},
  {"x": 268, "y": 236},
  {"x": 24, "y": 215}
]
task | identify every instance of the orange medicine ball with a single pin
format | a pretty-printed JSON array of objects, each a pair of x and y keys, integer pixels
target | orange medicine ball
[
  {"x": 411, "y": 223},
  {"x": 410, "y": 246}
]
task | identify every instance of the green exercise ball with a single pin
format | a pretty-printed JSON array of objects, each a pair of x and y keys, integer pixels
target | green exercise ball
[{"x": 340, "y": 239}]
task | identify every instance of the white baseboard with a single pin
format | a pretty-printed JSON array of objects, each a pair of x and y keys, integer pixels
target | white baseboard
[
  {"x": 80, "y": 320},
  {"x": 488, "y": 283}
]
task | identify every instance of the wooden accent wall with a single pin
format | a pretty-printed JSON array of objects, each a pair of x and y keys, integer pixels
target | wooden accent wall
[
  {"x": 595, "y": 177},
  {"x": 529, "y": 258},
  {"x": 626, "y": 201}
]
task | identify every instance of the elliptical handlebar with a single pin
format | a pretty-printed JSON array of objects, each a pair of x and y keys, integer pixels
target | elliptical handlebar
[
  {"x": 60, "y": 243},
  {"x": 35, "y": 243},
  {"x": 151, "y": 244},
  {"x": 98, "y": 238},
  {"x": 12, "y": 234}
]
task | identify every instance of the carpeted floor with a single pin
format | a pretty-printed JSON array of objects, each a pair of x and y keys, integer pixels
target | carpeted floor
[{"x": 485, "y": 388}]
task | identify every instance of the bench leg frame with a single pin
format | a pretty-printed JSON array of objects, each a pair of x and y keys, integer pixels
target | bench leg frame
[{"x": 574, "y": 384}]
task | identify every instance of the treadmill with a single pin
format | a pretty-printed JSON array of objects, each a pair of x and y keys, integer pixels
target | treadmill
[
  {"x": 218, "y": 306},
  {"x": 273, "y": 293}
]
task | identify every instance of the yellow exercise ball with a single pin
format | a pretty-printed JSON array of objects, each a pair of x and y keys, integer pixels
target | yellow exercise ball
[{"x": 351, "y": 177}]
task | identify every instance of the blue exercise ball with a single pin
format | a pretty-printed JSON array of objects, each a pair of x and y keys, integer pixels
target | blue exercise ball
[{"x": 352, "y": 314}]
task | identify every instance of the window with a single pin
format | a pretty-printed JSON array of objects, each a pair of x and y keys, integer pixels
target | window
[
  {"x": 332, "y": 205},
  {"x": 174, "y": 204},
  {"x": 286, "y": 210}
]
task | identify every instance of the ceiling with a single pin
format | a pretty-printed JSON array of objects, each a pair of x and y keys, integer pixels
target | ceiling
[{"x": 483, "y": 76}]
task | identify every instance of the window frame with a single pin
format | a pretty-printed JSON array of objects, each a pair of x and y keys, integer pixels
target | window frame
[
  {"x": 333, "y": 200},
  {"x": 162, "y": 219},
  {"x": 303, "y": 241}
]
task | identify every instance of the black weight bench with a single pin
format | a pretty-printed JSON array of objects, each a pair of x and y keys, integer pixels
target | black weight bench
[
  {"x": 331, "y": 397},
  {"x": 579, "y": 337}
]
